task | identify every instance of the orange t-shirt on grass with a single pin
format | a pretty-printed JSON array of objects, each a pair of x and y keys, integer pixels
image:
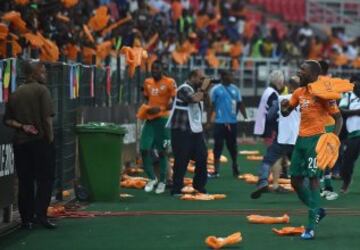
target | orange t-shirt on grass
[
  {"x": 160, "y": 93},
  {"x": 314, "y": 111}
]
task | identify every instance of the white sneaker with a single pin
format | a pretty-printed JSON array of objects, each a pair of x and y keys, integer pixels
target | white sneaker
[
  {"x": 150, "y": 185},
  {"x": 330, "y": 196},
  {"x": 160, "y": 188},
  {"x": 324, "y": 193}
]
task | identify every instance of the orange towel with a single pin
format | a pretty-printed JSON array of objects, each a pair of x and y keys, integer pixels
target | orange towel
[
  {"x": 100, "y": 19},
  {"x": 289, "y": 230},
  {"x": 133, "y": 183},
  {"x": 223, "y": 159},
  {"x": 249, "y": 152},
  {"x": 4, "y": 31},
  {"x": 249, "y": 178},
  {"x": 69, "y": 3},
  {"x": 71, "y": 51},
  {"x": 255, "y": 157},
  {"x": 327, "y": 150},
  {"x": 330, "y": 88},
  {"x": 218, "y": 242},
  {"x": 202, "y": 197},
  {"x": 134, "y": 57},
  {"x": 258, "y": 219},
  {"x": 188, "y": 190},
  {"x": 14, "y": 17},
  {"x": 35, "y": 40},
  {"x": 142, "y": 113}
]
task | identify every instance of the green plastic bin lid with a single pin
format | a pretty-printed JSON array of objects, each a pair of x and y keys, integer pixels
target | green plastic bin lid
[{"x": 101, "y": 127}]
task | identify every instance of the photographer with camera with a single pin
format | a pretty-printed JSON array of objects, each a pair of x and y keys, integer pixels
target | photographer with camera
[{"x": 187, "y": 138}]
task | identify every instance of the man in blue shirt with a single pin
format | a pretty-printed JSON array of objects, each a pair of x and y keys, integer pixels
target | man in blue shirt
[{"x": 226, "y": 100}]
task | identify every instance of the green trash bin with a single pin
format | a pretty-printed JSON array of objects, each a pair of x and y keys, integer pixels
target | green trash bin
[{"x": 100, "y": 149}]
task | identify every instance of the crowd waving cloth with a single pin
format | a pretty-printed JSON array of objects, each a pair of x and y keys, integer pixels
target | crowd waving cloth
[
  {"x": 69, "y": 3},
  {"x": 329, "y": 88},
  {"x": 100, "y": 19},
  {"x": 259, "y": 219},
  {"x": 14, "y": 18},
  {"x": 218, "y": 242},
  {"x": 134, "y": 56}
]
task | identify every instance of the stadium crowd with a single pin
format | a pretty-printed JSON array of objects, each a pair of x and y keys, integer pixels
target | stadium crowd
[{"x": 169, "y": 30}]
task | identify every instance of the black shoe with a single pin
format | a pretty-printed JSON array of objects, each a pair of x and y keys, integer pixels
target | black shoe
[
  {"x": 45, "y": 223},
  {"x": 235, "y": 171},
  {"x": 257, "y": 193},
  {"x": 26, "y": 225}
]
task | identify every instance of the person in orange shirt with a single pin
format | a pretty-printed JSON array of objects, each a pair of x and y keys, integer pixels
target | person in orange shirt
[
  {"x": 314, "y": 112},
  {"x": 159, "y": 91}
]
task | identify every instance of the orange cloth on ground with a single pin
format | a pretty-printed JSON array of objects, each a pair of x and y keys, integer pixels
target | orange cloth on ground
[
  {"x": 188, "y": 181},
  {"x": 71, "y": 51},
  {"x": 210, "y": 160},
  {"x": 202, "y": 197},
  {"x": 69, "y": 3},
  {"x": 14, "y": 17},
  {"x": 188, "y": 190},
  {"x": 249, "y": 178},
  {"x": 287, "y": 187},
  {"x": 314, "y": 111},
  {"x": 330, "y": 88},
  {"x": 289, "y": 230},
  {"x": 217, "y": 242},
  {"x": 259, "y": 219},
  {"x": 4, "y": 31},
  {"x": 249, "y": 152},
  {"x": 100, "y": 19},
  {"x": 254, "y": 157},
  {"x": 133, "y": 182},
  {"x": 137, "y": 184},
  {"x": 177, "y": 10},
  {"x": 160, "y": 93},
  {"x": 327, "y": 150}
]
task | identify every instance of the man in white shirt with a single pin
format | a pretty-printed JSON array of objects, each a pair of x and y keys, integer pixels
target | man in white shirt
[
  {"x": 288, "y": 128},
  {"x": 352, "y": 146}
]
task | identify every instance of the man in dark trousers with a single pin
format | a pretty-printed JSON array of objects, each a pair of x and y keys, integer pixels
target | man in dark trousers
[
  {"x": 187, "y": 138},
  {"x": 226, "y": 102},
  {"x": 30, "y": 112}
]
